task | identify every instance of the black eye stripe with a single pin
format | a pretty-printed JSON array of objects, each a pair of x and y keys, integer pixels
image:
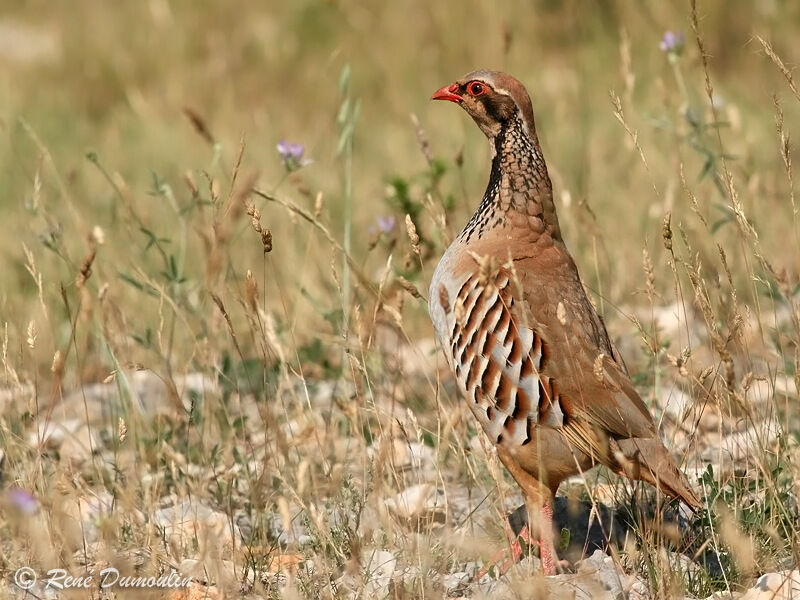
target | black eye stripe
[{"x": 492, "y": 107}]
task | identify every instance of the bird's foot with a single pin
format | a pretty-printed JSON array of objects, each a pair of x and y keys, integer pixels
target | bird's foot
[{"x": 501, "y": 562}]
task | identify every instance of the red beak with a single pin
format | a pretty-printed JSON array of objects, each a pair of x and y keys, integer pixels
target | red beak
[{"x": 447, "y": 93}]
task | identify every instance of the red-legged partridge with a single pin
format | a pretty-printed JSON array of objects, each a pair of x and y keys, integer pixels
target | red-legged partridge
[{"x": 530, "y": 354}]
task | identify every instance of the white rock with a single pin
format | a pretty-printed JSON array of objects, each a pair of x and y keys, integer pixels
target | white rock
[
  {"x": 681, "y": 563},
  {"x": 638, "y": 589},
  {"x": 51, "y": 434},
  {"x": 80, "y": 445},
  {"x": 671, "y": 321},
  {"x": 403, "y": 454},
  {"x": 759, "y": 392},
  {"x": 784, "y": 585},
  {"x": 154, "y": 397},
  {"x": 419, "y": 456},
  {"x": 455, "y": 584},
  {"x": 674, "y": 402},
  {"x": 14, "y": 394},
  {"x": 95, "y": 402},
  {"x": 742, "y": 445},
  {"x": 198, "y": 383},
  {"x": 101, "y": 402},
  {"x": 767, "y": 391},
  {"x": 417, "y": 501},
  {"x": 96, "y": 505},
  {"x": 187, "y": 524},
  {"x": 90, "y": 509},
  {"x": 73, "y": 438},
  {"x": 600, "y": 568},
  {"x": 379, "y": 567},
  {"x": 577, "y": 588},
  {"x": 490, "y": 589},
  {"x": 323, "y": 393},
  {"x": 785, "y": 386},
  {"x": 297, "y": 534}
]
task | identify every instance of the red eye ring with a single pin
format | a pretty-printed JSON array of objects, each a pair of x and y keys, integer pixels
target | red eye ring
[{"x": 476, "y": 88}]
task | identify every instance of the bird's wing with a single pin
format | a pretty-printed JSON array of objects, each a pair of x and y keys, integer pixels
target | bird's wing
[{"x": 524, "y": 368}]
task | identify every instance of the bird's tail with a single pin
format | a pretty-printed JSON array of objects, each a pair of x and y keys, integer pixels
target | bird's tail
[{"x": 648, "y": 460}]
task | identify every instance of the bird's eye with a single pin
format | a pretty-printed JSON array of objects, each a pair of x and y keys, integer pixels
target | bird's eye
[{"x": 476, "y": 88}]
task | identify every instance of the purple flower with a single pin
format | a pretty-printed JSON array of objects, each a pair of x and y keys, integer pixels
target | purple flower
[
  {"x": 289, "y": 150},
  {"x": 292, "y": 155},
  {"x": 673, "y": 42},
  {"x": 22, "y": 501},
  {"x": 386, "y": 224}
]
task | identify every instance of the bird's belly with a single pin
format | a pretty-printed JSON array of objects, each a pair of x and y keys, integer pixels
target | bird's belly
[{"x": 549, "y": 457}]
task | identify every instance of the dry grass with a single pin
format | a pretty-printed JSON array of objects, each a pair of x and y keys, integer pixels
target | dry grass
[{"x": 174, "y": 342}]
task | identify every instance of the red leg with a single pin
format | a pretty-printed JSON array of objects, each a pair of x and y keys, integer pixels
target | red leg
[
  {"x": 546, "y": 548},
  {"x": 506, "y": 558},
  {"x": 540, "y": 511}
]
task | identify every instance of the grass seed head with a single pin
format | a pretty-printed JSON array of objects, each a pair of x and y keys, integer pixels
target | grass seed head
[
  {"x": 666, "y": 231},
  {"x": 411, "y": 229}
]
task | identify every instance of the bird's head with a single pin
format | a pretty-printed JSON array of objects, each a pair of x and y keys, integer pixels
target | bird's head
[{"x": 492, "y": 99}]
